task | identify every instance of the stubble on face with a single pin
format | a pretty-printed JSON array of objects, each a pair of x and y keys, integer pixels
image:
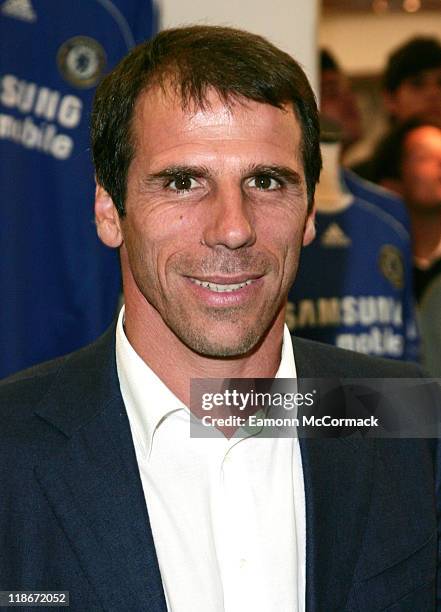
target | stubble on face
[{"x": 248, "y": 335}]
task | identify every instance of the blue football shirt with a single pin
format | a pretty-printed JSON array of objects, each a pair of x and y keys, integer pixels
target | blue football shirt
[
  {"x": 59, "y": 284},
  {"x": 352, "y": 287}
]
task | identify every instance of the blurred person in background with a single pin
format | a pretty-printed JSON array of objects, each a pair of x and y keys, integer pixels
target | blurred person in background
[
  {"x": 339, "y": 107},
  {"x": 338, "y": 101},
  {"x": 389, "y": 216},
  {"x": 412, "y": 80},
  {"x": 408, "y": 161},
  {"x": 411, "y": 87}
]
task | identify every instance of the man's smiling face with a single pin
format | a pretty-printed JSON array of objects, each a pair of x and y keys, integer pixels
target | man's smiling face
[{"x": 216, "y": 213}]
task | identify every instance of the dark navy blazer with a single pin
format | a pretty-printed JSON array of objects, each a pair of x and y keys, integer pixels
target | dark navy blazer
[{"x": 73, "y": 515}]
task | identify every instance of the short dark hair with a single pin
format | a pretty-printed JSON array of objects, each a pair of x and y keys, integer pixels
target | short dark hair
[
  {"x": 328, "y": 61},
  {"x": 388, "y": 156},
  {"x": 417, "y": 54},
  {"x": 193, "y": 60}
]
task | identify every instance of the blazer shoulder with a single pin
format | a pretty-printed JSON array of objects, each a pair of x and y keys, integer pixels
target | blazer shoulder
[
  {"x": 26, "y": 389},
  {"x": 42, "y": 407},
  {"x": 316, "y": 359},
  {"x": 29, "y": 386}
]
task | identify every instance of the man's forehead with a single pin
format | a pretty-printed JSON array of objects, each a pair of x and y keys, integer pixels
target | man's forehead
[
  {"x": 166, "y": 100},
  {"x": 165, "y": 127},
  {"x": 425, "y": 134}
]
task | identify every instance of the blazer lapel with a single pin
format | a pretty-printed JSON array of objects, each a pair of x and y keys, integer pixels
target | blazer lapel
[
  {"x": 94, "y": 487},
  {"x": 338, "y": 477}
]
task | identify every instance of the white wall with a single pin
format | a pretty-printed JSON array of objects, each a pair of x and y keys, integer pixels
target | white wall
[
  {"x": 290, "y": 24},
  {"x": 361, "y": 42}
]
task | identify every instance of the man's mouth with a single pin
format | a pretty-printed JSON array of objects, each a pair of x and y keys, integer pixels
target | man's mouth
[{"x": 221, "y": 287}]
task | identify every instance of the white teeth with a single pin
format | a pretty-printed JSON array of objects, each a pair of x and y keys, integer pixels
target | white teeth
[{"x": 221, "y": 288}]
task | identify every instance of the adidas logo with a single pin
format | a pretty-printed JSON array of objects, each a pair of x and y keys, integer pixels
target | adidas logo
[
  {"x": 334, "y": 236},
  {"x": 20, "y": 9}
]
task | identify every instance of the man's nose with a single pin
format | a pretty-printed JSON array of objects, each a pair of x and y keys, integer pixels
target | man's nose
[{"x": 229, "y": 220}]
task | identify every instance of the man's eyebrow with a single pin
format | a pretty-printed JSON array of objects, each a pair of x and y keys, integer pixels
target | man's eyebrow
[
  {"x": 174, "y": 171},
  {"x": 284, "y": 172}
]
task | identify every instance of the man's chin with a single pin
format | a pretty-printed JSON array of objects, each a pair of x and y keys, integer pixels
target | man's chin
[{"x": 224, "y": 346}]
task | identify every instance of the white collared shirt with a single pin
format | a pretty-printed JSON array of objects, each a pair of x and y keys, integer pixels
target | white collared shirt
[{"x": 227, "y": 516}]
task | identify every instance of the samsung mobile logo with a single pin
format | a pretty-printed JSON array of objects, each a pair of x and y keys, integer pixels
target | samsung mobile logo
[{"x": 47, "y": 104}]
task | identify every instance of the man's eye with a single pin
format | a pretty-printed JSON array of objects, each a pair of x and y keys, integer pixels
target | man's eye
[
  {"x": 182, "y": 183},
  {"x": 264, "y": 182}
]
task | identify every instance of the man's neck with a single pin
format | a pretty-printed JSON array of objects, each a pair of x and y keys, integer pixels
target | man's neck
[
  {"x": 176, "y": 364},
  {"x": 426, "y": 235}
]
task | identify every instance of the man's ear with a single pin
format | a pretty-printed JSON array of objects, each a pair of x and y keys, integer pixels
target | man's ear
[
  {"x": 309, "y": 231},
  {"x": 107, "y": 219}
]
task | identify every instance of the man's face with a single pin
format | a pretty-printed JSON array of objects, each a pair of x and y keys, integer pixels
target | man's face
[
  {"x": 338, "y": 102},
  {"x": 419, "y": 95},
  {"x": 216, "y": 215},
  {"x": 421, "y": 169}
]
